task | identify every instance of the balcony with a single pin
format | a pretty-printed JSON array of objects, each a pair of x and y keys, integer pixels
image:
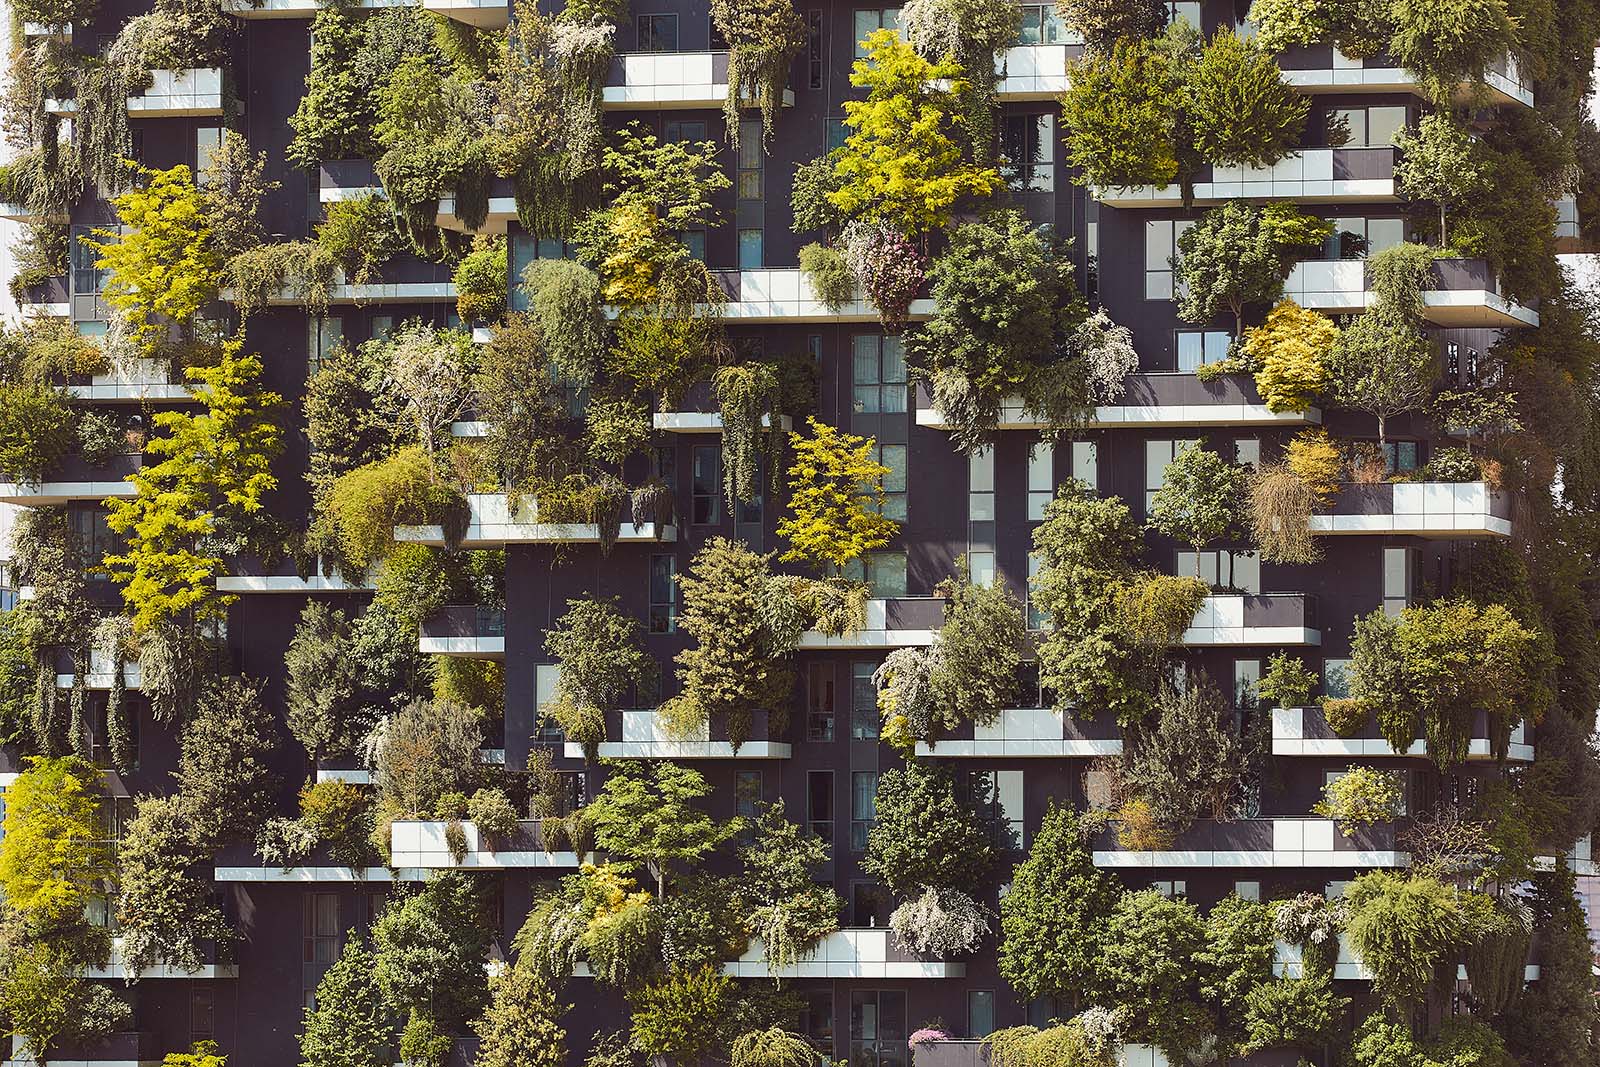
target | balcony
[
  {"x": 1290, "y": 963},
  {"x": 642, "y": 737},
  {"x": 422, "y": 845},
  {"x": 1305, "y": 732},
  {"x": 849, "y": 953},
  {"x": 502, "y": 210},
  {"x": 1254, "y": 619},
  {"x": 1464, "y": 293},
  {"x": 1029, "y": 732},
  {"x": 785, "y": 295},
  {"x": 1311, "y": 176},
  {"x": 101, "y": 672},
  {"x": 115, "y": 968},
  {"x": 492, "y": 524},
  {"x": 48, "y": 299},
  {"x": 975, "y": 1053},
  {"x": 682, "y": 81},
  {"x": 73, "y": 479},
  {"x": 484, "y": 14},
  {"x": 1324, "y": 69},
  {"x": 1266, "y": 842},
  {"x": 143, "y": 381},
  {"x": 193, "y": 93},
  {"x": 285, "y": 577},
  {"x": 1422, "y": 509},
  {"x": 1156, "y": 399},
  {"x": 347, "y": 179},
  {"x": 900, "y": 622},
  {"x": 402, "y": 282},
  {"x": 12, "y": 211},
  {"x": 122, "y": 1049},
  {"x": 468, "y": 630}
]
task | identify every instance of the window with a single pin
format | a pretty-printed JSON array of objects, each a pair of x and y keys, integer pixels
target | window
[
  {"x": 752, "y": 161},
  {"x": 1157, "y": 454},
  {"x": 1246, "y": 684},
  {"x": 883, "y": 571},
  {"x": 878, "y": 1027},
  {"x": 1396, "y": 580},
  {"x": 382, "y": 326},
  {"x": 1399, "y": 456},
  {"x": 1037, "y": 620},
  {"x": 998, "y": 795},
  {"x": 870, "y": 905},
  {"x": 1042, "y": 1011},
  {"x": 1196, "y": 348},
  {"x": 1247, "y": 890},
  {"x": 980, "y": 515},
  {"x": 837, "y": 133},
  {"x": 675, "y": 131},
  {"x": 666, "y": 467},
  {"x": 8, "y": 588},
  {"x": 1223, "y": 569},
  {"x": 816, "y": 1020},
  {"x": 1354, "y": 238},
  {"x": 663, "y": 594},
  {"x": 202, "y": 1012},
  {"x": 1247, "y": 452},
  {"x": 319, "y": 941},
  {"x": 545, "y": 677},
  {"x": 1041, "y": 478},
  {"x": 819, "y": 804},
  {"x": 1026, "y": 144},
  {"x": 863, "y": 702},
  {"x": 1160, "y": 251},
  {"x": 1365, "y": 127},
  {"x": 87, "y": 279},
  {"x": 91, "y": 536},
  {"x": 894, "y": 483},
  {"x": 747, "y": 793},
  {"x": 1336, "y": 678},
  {"x": 323, "y": 335},
  {"x": 868, "y": 22},
  {"x": 658, "y": 33},
  {"x": 863, "y": 804},
  {"x": 814, "y": 50},
  {"x": 980, "y": 1012},
  {"x": 878, "y": 374},
  {"x": 751, "y": 254},
  {"x": 1184, "y": 9},
  {"x": 1171, "y": 889},
  {"x": 207, "y": 139},
  {"x": 523, "y": 250},
  {"x": 705, "y": 506},
  {"x": 1086, "y": 463},
  {"x": 819, "y": 702},
  {"x": 1041, "y": 25}
]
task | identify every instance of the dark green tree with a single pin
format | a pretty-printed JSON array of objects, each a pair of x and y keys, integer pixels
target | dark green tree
[
  {"x": 1241, "y": 111},
  {"x": 352, "y": 1024},
  {"x": 927, "y": 832},
  {"x": 648, "y": 814}
]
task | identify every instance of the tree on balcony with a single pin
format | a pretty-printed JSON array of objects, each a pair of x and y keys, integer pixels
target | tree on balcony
[
  {"x": 928, "y": 832},
  {"x": 1237, "y": 256},
  {"x": 1240, "y": 110},
  {"x": 1200, "y": 498},
  {"x": 521, "y": 1026},
  {"x": 648, "y": 814},
  {"x": 1120, "y": 116},
  {"x": 974, "y": 34},
  {"x": 1439, "y": 161},
  {"x": 835, "y": 499},
  {"x": 600, "y": 653},
  {"x": 1289, "y": 354},
  {"x": 36, "y": 430},
  {"x": 429, "y": 951},
  {"x": 1383, "y": 363},
  {"x": 351, "y": 1022},
  {"x": 166, "y": 911},
  {"x": 764, "y": 37},
  {"x": 1105, "y": 22}
]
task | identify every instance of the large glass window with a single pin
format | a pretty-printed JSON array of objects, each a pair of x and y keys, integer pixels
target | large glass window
[
  {"x": 863, "y": 807},
  {"x": 820, "y": 705},
  {"x": 1041, "y": 25},
  {"x": 320, "y": 937},
  {"x": 1223, "y": 569},
  {"x": 658, "y": 33},
  {"x": 883, "y": 571},
  {"x": 752, "y": 161},
  {"x": 868, "y": 21},
  {"x": 663, "y": 594},
  {"x": 1365, "y": 127},
  {"x": 1358, "y": 238},
  {"x": 87, "y": 279},
  {"x": 878, "y": 374},
  {"x": 816, "y": 1020},
  {"x": 1157, "y": 454},
  {"x": 1196, "y": 348},
  {"x": 1041, "y": 478},
  {"x": 1026, "y": 144},
  {"x": 878, "y": 1028},
  {"x": 819, "y": 804},
  {"x": 1160, "y": 252},
  {"x": 980, "y": 1012},
  {"x": 863, "y": 702},
  {"x": 705, "y": 507}
]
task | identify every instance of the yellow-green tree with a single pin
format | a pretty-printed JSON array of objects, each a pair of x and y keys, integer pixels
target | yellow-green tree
[
  {"x": 836, "y": 496},
  {"x": 1290, "y": 352},
  {"x": 901, "y": 162},
  {"x": 164, "y": 266},
  {"x": 209, "y": 486},
  {"x": 54, "y": 855}
]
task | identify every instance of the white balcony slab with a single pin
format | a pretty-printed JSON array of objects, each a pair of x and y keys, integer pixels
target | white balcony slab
[
  {"x": 1426, "y": 509},
  {"x": 501, "y": 213},
  {"x": 474, "y": 647},
  {"x": 291, "y": 583},
  {"x": 489, "y": 14},
  {"x": 1349, "y": 76},
  {"x": 491, "y": 523},
  {"x": 875, "y": 634},
  {"x": 376, "y": 293},
  {"x": 469, "y": 428},
  {"x": 115, "y": 968},
  {"x": 484, "y": 14},
  {"x": 784, "y": 294},
  {"x": 1295, "y": 843},
  {"x": 1306, "y": 176},
  {"x": 848, "y": 953},
  {"x": 1021, "y": 733},
  {"x": 1339, "y": 286},
  {"x": 1033, "y": 71},
  {"x": 347, "y": 775},
  {"x": 706, "y": 422},
  {"x": 191, "y": 93},
  {"x": 15, "y": 212},
  {"x": 34, "y": 30},
  {"x": 1013, "y": 416},
  {"x": 643, "y": 737},
  {"x": 319, "y": 874},
  {"x": 46, "y": 494},
  {"x": 681, "y": 81},
  {"x": 1221, "y": 621},
  {"x": 422, "y": 844}
]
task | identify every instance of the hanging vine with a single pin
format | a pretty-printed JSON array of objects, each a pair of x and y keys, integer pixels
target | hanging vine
[
  {"x": 78, "y": 723},
  {"x": 748, "y": 393},
  {"x": 975, "y": 34},
  {"x": 763, "y": 36}
]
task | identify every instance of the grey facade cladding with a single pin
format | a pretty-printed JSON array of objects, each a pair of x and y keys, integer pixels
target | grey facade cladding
[{"x": 256, "y": 1016}]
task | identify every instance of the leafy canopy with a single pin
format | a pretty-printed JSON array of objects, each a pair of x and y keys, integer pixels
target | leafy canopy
[
  {"x": 836, "y": 499},
  {"x": 648, "y": 814}
]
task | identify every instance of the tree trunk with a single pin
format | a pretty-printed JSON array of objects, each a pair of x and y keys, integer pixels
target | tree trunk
[{"x": 1444, "y": 237}]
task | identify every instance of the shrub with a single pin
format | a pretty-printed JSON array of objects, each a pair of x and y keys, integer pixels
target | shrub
[
  {"x": 940, "y": 923},
  {"x": 362, "y": 507},
  {"x": 773, "y": 1047},
  {"x": 421, "y": 753},
  {"x": 1192, "y": 763},
  {"x": 1360, "y": 797},
  {"x": 980, "y": 649},
  {"x": 1119, "y": 115},
  {"x": 359, "y": 233},
  {"x": 101, "y": 438},
  {"x": 829, "y": 275},
  {"x": 481, "y": 279},
  {"x": 53, "y": 855},
  {"x": 564, "y": 301},
  {"x": 681, "y": 1016},
  {"x": 1314, "y": 458},
  {"x": 36, "y": 431},
  {"x": 1452, "y": 465},
  {"x": 1290, "y": 349},
  {"x": 1281, "y": 504},
  {"x": 1403, "y": 929},
  {"x": 492, "y": 813},
  {"x": 1199, "y": 498},
  {"x": 1138, "y": 829},
  {"x": 1297, "y": 1012},
  {"x": 887, "y": 266},
  {"x": 600, "y": 654},
  {"x": 340, "y": 814},
  {"x": 1027, "y": 1046},
  {"x": 1287, "y": 683},
  {"x": 430, "y": 948},
  {"x": 1313, "y": 922},
  {"x": 1240, "y": 110}
]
